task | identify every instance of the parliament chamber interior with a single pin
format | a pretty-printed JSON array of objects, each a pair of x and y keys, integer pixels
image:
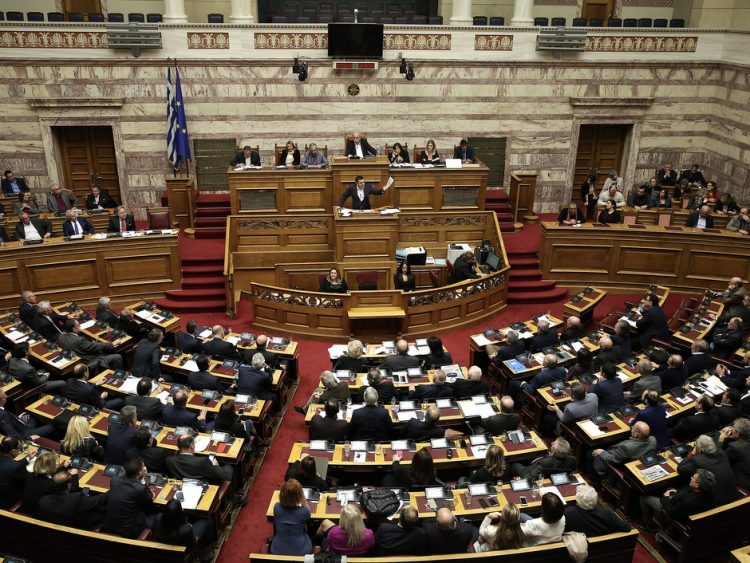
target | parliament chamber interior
[{"x": 388, "y": 281}]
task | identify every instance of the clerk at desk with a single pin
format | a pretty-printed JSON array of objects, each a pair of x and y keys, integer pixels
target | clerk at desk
[
  {"x": 360, "y": 193},
  {"x": 248, "y": 157}
]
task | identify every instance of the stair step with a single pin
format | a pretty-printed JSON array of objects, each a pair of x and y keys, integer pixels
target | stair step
[
  {"x": 496, "y": 195},
  {"x": 199, "y": 261},
  {"x": 213, "y": 211},
  {"x": 193, "y": 306},
  {"x": 525, "y": 274},
  {"x": 217, "y": 222},
  {"x": 196, "y": 294},
  {"x": 210, "y": 233},
  {"x": 206, "y": 199},
  {"x": 523, "y": 286},
  {"x": 215, "y": 269},
  {"x": 498, "y": 207},
  {"x": 550, "y": 296},
  {"x": 523, "y": 262},
  {"x": 504, "y": 217},
  {"x": 203, "y": 282},
  {"x": 506, "y": 227}
]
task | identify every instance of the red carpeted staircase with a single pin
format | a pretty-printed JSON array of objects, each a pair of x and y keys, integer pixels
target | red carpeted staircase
[
  {"x": 211, "y": 211},
  {"x": 497, "y": 200},
  {"x": 525, "y": 284},
  {"x": 202, "y": 287}
]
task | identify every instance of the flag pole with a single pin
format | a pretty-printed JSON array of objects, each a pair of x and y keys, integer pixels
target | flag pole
[{"x": 174, "y": 170}]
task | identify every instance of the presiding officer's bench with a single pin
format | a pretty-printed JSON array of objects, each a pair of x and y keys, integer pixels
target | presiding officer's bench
[{"x": 612, "y": 548}]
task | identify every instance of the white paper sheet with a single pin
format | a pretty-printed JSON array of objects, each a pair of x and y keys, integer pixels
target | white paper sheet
[
  {"x": 204, "y": 333},
  {"x": 16, "y": 336},
  {"x": 403, "y": 416},
  {"x": 577, "y": 346},
  {"x": 202, "y": 442},
  {"x": 479, "y": 452},
  {"x": 88, "y": 324},
  {"x": 336, "y": 351},
  {"x": 591, "y": 429},
  {"x": 130, "y": 385},
  {"x": 233, "y": 339},
  {"x": 190, "y": 365},
  {"x": 481, "y": 340},
  {"x": 143, "y": 314},
  {"x": 163, "y": 397},
  {"x": 191, "y": 496},
  {"x": 468, "y": 408},
  {"x": 553, "y": 490}
]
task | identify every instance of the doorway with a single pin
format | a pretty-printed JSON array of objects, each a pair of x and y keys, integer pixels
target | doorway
[
  {"x": 87, "y": 155},
  {"x": 600, "y": 9},
  {"x": 600, "y": 149},
  {"x": 84, "y": 7}
]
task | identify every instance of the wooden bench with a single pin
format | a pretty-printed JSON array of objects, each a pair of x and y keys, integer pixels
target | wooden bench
[
  {"x": 612, "y": 548},
  {"x": 708, "y": 534},
  {"x": 42, "y": 541}
]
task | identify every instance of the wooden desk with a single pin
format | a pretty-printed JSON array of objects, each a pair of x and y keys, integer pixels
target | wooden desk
[
  {"x": 155, "y": 318},
  {"x": 634, "y": 475},
  {"x": 366, "y": 236},
  {"x": 610, "y": 319},
  {"x": 95, "y": 332},
  {"x": 361, "y": 380},
  {"x": 124, "y": 268},
  {"x": 583, "y": 304},
  {"x": 375, "y": 354},
  {"x": 41, "y": 356},
  {"x": 625, "y": 257},
  {"x": 701, "y": 323},
  {"x": 99, "y": 221}
]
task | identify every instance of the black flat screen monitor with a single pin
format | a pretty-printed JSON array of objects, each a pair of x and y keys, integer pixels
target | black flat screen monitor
[{"x": 360, "y": 40}]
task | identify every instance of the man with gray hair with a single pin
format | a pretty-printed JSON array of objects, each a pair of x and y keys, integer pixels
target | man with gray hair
[
  {"x": 584, "y": 405},
  {"x": 256, "y": 379},
  {"x": 27, "y": 309},
  {"x": 679, "y": 504},
  {"x": 427, "y": 429},
  {"x": 76, "y": 225},
  {"x": 331, "y": 388},
  {"x": 706, "y": 455},
  {"x": 639, "y": 444},
  {"x": 558, "y": 460},
  {"x": 545, "y": 336},
  {"x": 700, "y": 359},
  {"x": 59, "y": 200},
  {"x": 472, "y": 385},
  {"x": 48, "y": 323},
  {"x": 513, "y": 347},
  {"x": 549, "y": 373},
  {"x": 735, "y": 440},
  {"x": 647, "y": 381},
  {"x": 588, "y": 518},
  {"x": 104, "y": 312},
  {"x": 371, "y": 422}
]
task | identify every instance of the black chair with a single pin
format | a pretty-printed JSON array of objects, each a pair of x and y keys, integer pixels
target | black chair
[
  {"x": 677, "y": 22},
  {"x": 497, "y": 20},
  {"x": 215, "y": 18},
  {"x": 614, "y": 22},
  {"x": 154, "y": 18},
  {"x": 558, "y": 22},
  {"x": 95, "y": 17},
  {"x": 14, "y": 16},
  {"x": 278, "y": 19},
  {"x": 480, "y": 20},
  {"x": 645, "y": 22},
  {"x": 75, "y": 17},
  {"x": 542, "y": 22},
  {"x": 307, "y": 19},
  {"x": 410, "y": 13},
  {"x": 596, "y": 22},
  {"x": 630, "y": 22},
  {"x": 661, "y": 22},
  {"x": 419, "y": 20},
  {"x": 116, "y": 17},
  {"x": 401, "y": 20},
  {"x": 137, "y": 18},
  {"x": 329, "y": 19},
  {"x": 580, "y": 22},
  {"x": 2, "y": 16},
  {"x": 383, "y": 20},
  {"x": 435, "y": 20},
  {"x": 55, "y": 17},
  {"x": 34, "y": 16}
]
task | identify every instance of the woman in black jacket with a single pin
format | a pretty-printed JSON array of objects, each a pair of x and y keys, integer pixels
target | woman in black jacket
[
  {"x": 610, "y": 214},
  {"x": 430, "y": 154},
  {"x": 289, "y": 156},
  {"x": 398, "y": 155},
  {"x": 352, "y": 360},
  {"x": 333, "y": 283},
  {"x": 40, "y": 483},
  {"x": 78, "y": 440},
  {"x": 495, "y": 470},
  {"x": 438, "y": 357},
  {"x": 173, "y": 527},
  {"x": 404, "y": 279},
  {"x": 305, "y": 471},
  {"x": 421, "y": 472}
]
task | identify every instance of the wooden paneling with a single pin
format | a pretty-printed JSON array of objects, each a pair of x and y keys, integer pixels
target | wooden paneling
[
  {"x": 600, "y": 149},
  {"x": 181, "y": 193},
  {"x": 623, "y": 257},
  {"x": 88, "y": 157},
  {"x": 522, "y": 192}
]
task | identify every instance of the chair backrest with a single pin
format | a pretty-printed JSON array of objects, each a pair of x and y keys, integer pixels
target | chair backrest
[
  {"x": 383, "y": 20},
  {"x": 614, "y": 22},
  {"x": 323, "y": 149},
  {"x": 307, "y": 19},
  {"x": 76, "y": 17},
  {"x": 365, "y": 19},
  {"x": 278, "y": 19},
  {"x": 497, "y": 20},
  {"x": 579, "y": 22},
  {"x": 55, "y": 17},
  {"x": 367, "y": 280},
  {"x": 434, "y": 279},
  {"x": 480, "y": 20},
  {"x": 630, "y": 22},
  {"x": 677, "y": 22},
  {"x": 136, "y": 17},
  {"x": 419, "y": 20},
  {"x": 544, "y": 22},
  {"x": 558, "y": 22},
  {"x": 348, "y": 136},
  {"x": 310, "y": 12},
  {"x": 154, "y": 18},
  {"x": 215, "y": 18},
  {"x": 94, "y": 17},
  {"x": 661, "y": 22},
  {"x": 435, "y": 20},
  {"x": 158, "y": 218},
  {"x": 326, "y": 19},
  {"x": 277, "y": 149},
  {"x": 596, "y": 22},
  {"x": 34, "y": 16},
  {"x": 645, "y": 22},
  {"x": 2, "y": 16},
  {"x": 14, "y": 16},
  {"x": 409, "y": 13},
  {"x": 399, "y": 20},
  {"x": 116, "y": 17}
]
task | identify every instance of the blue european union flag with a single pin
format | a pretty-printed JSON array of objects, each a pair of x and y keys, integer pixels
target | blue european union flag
[{"x": 181, "y": 138}]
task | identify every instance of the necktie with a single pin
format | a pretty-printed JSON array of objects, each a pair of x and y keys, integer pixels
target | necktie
[
  {"x": 75, "y": 227},
  {"x": 122, "y": 226}
]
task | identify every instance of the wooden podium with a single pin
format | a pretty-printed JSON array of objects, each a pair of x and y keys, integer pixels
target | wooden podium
[
  {"x": 366, "y": 235},
  {"x": 375, "y": 171}
]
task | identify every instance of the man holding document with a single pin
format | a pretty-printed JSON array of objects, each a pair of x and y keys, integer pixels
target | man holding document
[{"x": 360, "y": 193}]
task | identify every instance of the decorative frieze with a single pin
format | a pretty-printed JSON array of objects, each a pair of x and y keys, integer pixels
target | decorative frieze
[
  {"x": 641, "y": 44},
  {"x": 208, "y": 40},
  {"x": 291, "y": 40},
  {"x": 53, "y": 40},
  {"x": 417, "y": 41},
  {"x": 484, "y": 42}
]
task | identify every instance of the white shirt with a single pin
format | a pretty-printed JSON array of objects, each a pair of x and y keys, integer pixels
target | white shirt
[
  {"x": 537, "y": 531},
  {"x": 248, "y": 160},
  {"x": 30, "y": 232},
  {"x": 701, "y": 222},
  {"x": 77, "y": 228},
  {"x": 358, "y": 150},
  {"x": 289, "y": 158},
  {"x": 361, "y": 194}
]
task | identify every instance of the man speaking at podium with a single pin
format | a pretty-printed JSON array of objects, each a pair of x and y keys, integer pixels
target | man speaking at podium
[{"x": 360, "y": 193}]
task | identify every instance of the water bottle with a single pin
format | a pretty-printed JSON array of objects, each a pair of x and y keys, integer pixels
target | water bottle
[{"x": 394, "y": 404}]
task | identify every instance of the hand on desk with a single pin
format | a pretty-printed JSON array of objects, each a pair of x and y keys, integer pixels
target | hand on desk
[
  {"x": 597, "y": 453},
  {"x": 553, "y": 408},
  {"x": 669, "y": 492},
  {"x": 397, "y": 456}
]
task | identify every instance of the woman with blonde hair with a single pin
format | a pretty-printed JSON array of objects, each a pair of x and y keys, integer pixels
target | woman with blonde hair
[
  {"x": 430, "y": 154},
  {"x": 352, "y": 360},
  {"x": 333, "y": 283},
  {"x": 79, "y": 441},
  {"x": 350, "y": 537},
  {"x": 495, "y": 468},
  {"x": 39, "y": 483},
  {"x": 500, "y": 530}
]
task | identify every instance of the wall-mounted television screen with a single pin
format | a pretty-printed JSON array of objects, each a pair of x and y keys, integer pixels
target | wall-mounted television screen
[{"x": 362, "y": 40}]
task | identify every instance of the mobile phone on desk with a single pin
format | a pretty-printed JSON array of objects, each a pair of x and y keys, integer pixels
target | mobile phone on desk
[
  {"x": 179, "y": 496},
  {"x": 85, "y": 491},
  {"x": 212, "y": 457},
  {"x": 241, "y": 411},
  {"x": 524, "y": 502}
]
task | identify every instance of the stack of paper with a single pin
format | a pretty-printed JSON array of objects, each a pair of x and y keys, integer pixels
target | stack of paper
[
  {"x": 88, "y": 324},
  {"x": 202, "y": 442},
  {"x": 468, "y": 408},
  {"x": 17, "y": 336},
  {"x": 191, "y": 496},
  {"x": 591, "y": 429},
  {"x": 577, "y": 346},
  {"x": 654, "y": 473},
  {"x": 481, "y": 340},
  {"x": 130, "y": 385},
  {"x": 190, "y": 365},
  {"x": 336, "y": 351}
]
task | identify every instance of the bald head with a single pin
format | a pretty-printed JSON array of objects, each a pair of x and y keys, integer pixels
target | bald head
[
  {"x": 641, "y": 430},
  {"x": 605, "y": 343},
  {"x": 262, "y": 340},
  {"x": 445, "y": 518},
  {"x": 218, "y": 331},
  {"x": 507, "y": 404},
  {"x": 574, "y": 322},
  {"x": 645, "y": 367},
  {"x": 402, "y": 346},
  {"x": 432, "y": 415},
  {"x": 475, "y": 373},
  {"x": 550, "y": 361}
]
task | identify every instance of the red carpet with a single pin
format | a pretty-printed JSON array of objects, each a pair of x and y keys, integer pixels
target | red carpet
[{"x": 251, "y": 528}]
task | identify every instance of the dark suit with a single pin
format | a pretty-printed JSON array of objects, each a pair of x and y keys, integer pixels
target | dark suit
[
  {"x": 128, "y": 503},
  {"x": 27, "y": 312},
  {"x": 545, "y": 466},
  {"x": 183, "y": 466},
  {"x": 106, "y": 315},
  {"x": 693, "y": 220},
  {"x": 272, "y": 360},
  {"x": 421, "y": 431},
  {"x": 146, "y": 407},
  {"x": 509, "y": 351},
  {"x": 726, "y": 342},
  {"x": 132, "y": 328},
  {"x": 386, "y": 390},
  {"x": 371, "y": 423},
  {"x": 726, "y": 414},
  {"x": 462, "y": 271},
  {"x": 198, "y": 380},
  {"x": 400, "y": 362},
  {"x": 12, "y": 480},
  {"x": 105, "y": 201},
  {"x": 89, "y": 350},
  {"x": 42, "y": 226},
  {"x": 8, "y": 187},
  {"x": 738, "y": 454},
  {"x": 254, "y": 382},
  {"x": 690, "y": 427},
  {"x": 464, "y": 154},
  {"x": 11, "y": 425},
  {"x": 49, "y": 326},
  {"x": 357, "y": 203},
  {"x": 596, "y": 522},
  {"x": 74, "y": 509},
  {"x": 324, "y": 428},
  {"x": 623, "y": 343},
  {"x": 391, "y": 539},
  {"x": 653, "y": 324},
  {"x": 283, "y": 155},
  {"x": 351, "y": 150},
  {"x": 611, "y": 356},
  {"x": 146, "y": 359},
  {"x": 572, "y": 332},
  {"x": 469, "y": 388},
  {"x": 119, "y": 439},
  {"x": 665, "y": 179},
  {"x": 686, "y": 502},
  {"x": 221, "y": 349},
  {"x": 542, "y": 339},
  {"x": 717, "y": 463},
  {"x": 610, "y": 394},
  {"x": 25, "y": 373},
  {"x": 438, "y": 360},
  {"x": 188, "y": 343},
  {"x": 239, "y": 158},
  {"x": 672, "y": 377},
  {"x": 114, "y": 225},
  {"x": 174, "y": 416},
  {"x": 656, "y": 418},
  {"x": 155, "y": 458},
  {"x": 546, "y": 376},
  {"x": 501, "y": 423},
  {"x": 698, "y": 363},
  {"x": 83, "y": 393},
  {"x": 69, "y": 201},
  {"x": 453, "y": 540},
  {"x": 84, "y": 229},
  {"x": 431, "y": 391}
]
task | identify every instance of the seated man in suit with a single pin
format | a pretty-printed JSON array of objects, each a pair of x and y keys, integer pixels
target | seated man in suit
[
  {"x": 545, "y": 336},
  {"x": 647, "y": 381},
  {"x": 248, "y": 157},
  {"x": 272, "y": 360},
  {"x": 559, "y": 459},
  {"x": 120, "y": 436},
  {"x": 735, "y": 377},
  {"x": 360, "y": 193},
  {"x": 704, "y": 421},
  {"x": 144, "y": 446},
  {"x": 218, "y": 347},
  {"x": 584, "y": 405},
  {"x": 332, "y": 389},
  {"x": 104, "y": 312},
  {"x": 727, "y": 340},
  {"x": 27, "y": 309},
  {"x": 674, "y": 374},
  {"x": 146, "y": 406},
  {"x": 401, "y": 360},
  {"x": 371, "y": 422},
  {"x": 96, "y": 354},
  {"x": 329, "y": 427},
  {"x": 130, "y": 325},
  {"x": 550, "y": 372},
  {"x": 639, "y": 444},
  {"x": 425, "y": 430},
  {"x": 48, "y": 323},
  {"x": 405, "y": 537},
  {"x": 438, "y": 389},
  {"x": 573, "y": 329},
  {"x": 21, "y": 427},
  {"x": 707, "y": 455},
  {"x": 202, "y": 379},
  {"x": 99, "y": 199},
  {"x": 639, "y": 199},
  {"x": 700, "y": 359},
  {"x": 12, "y": 184},
  {"x": 130, "y": 506},
  {"x": 447, "y": 534},
  {"x": 13, "y": 473},
  {"x": 76, "y": 225},
  {"x": 735, "y": 440},
  {"x": 666, "y": 176},
  {"x": 121, "y": 222},
  {"x": 729, "y": 408},
  {"x": 679, "y": 504},
  {"x": 20, "y": 368},
  {"x": 188, "y": 341},
  {"x": 655, "y": 415},
  {"x": 588, "y": 518},
  {"x": 79, "y": 390},
  {"x": 513, "y": 346},
  {"x": 314, "y": 158},
  {"x": 76, "y": 509},
  {"x": 502, "y": 422},
  {"x": 464, "y": 152},
  {"x": 357, "y": 147},
  {"x": 147, "y": 356},
  {"x": 472, "y": 385},
  {"x": 32, "y": 229},
  {"x": 608, "y": 354},
  {"x": 59, "y": 200},
  {"x": 256, "y": 379},
  {"x": 653, "y": 322},
  {"x": 465, "y": 268},
  {"x": 177, "y": 414},
  {"x": 701, "y": 219},
  {"x": 386, "y": 390}
]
